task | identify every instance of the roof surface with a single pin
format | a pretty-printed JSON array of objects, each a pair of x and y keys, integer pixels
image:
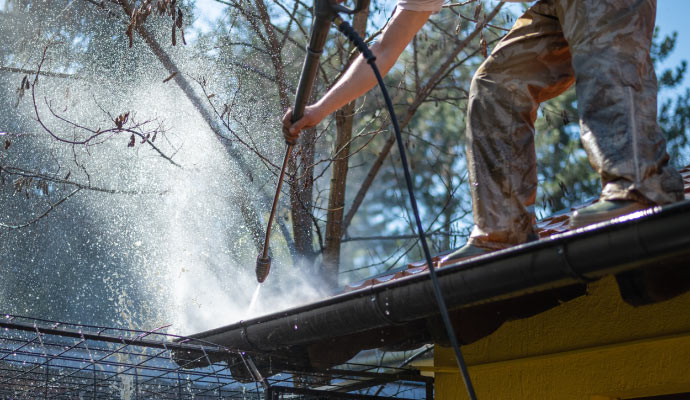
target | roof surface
[
  {"x": 647, "y": 251},
  {"x": 552, "y": 225}
]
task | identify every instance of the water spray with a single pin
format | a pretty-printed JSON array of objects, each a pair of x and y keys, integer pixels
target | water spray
[{"x": 325, "y": 12}]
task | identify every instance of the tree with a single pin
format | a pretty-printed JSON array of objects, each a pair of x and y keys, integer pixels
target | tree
[{"x": 140, "y": 177}]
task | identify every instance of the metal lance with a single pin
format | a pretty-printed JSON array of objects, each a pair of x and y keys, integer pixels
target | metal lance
[{"x": 325, "y": 12}]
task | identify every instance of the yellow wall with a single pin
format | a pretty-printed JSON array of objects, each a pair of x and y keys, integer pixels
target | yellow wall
[{"x": 594, "y": 348}]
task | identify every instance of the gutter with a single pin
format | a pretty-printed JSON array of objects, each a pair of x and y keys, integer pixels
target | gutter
[{"x": 658, "y": 236}]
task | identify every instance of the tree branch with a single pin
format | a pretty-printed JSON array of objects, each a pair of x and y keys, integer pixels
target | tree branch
[
  {"x": 432, "y": 82},
  {"x": 50, "y": 208}
]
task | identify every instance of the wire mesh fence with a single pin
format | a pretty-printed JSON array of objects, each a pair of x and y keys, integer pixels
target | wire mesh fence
[{"x": 57, "y": 360}]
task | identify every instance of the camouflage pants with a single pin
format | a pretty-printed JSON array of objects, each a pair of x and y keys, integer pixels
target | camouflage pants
[{"x": 603, "y": 47}]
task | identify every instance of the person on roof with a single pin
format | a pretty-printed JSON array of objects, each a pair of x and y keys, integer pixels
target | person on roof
[{"x": 601, "y": 46}]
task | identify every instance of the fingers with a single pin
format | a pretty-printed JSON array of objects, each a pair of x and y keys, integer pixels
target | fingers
[
  {"x": 292, "y": 130},
  {"x": 297, "y": 127},
  {"x": 289, "y": 133},
  {"x": 286, "y": 119},
  {"x": 290, "y": 138}
]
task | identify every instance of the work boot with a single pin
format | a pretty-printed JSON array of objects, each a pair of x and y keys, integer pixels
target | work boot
[
  {"x": 604, "y": 210},
  {"x": 463, "y": 253}
]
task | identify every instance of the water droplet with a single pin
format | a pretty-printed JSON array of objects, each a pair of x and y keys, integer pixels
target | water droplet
[
  {"x": 296, "y": 327},
  {"x": 388, "y": 312}
]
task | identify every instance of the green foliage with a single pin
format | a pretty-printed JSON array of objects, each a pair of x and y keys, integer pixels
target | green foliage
[
  {"x": 565, "y": 177},
  {"x": 674, "y": 110},
  {"x": 435, "y": 143},
  {"x": 674, "y": 119},
  {"x": 93, "y": 46}
]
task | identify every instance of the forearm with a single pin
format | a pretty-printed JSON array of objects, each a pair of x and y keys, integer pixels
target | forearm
[
  {"x": 356, "y": 81},
  {"x": 359, "y": 78}
]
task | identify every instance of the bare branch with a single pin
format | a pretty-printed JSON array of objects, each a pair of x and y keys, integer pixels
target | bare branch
[
  {"x": 432, "y": 82},
  {"x": 16, "y": 171},
  {"x": 50, "y": 208},
  {"x": 43, "y": 73}
]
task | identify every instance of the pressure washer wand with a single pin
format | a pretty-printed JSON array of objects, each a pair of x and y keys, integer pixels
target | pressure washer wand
[{"x": 324, "y": 12}]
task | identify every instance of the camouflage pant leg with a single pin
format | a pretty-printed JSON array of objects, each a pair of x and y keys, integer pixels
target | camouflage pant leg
[
  {"x": 616, "y": 86},
  {"x": 531, "y": 64},
  {"x": 617, "y": 91}
]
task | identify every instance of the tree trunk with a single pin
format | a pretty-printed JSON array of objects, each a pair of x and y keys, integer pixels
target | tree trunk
[
  {"x": 299, "y": 165},
  {"x": 336, "y": 197},
  {"x": 301, "y": 206},
  {"x": 420, "y": 97}
]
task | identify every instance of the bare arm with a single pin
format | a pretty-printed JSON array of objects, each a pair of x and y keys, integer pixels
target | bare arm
[{"x": 359, "y": 78}]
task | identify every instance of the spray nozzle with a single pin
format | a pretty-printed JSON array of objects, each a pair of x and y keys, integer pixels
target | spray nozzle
[{"x": 263, "y": 266}]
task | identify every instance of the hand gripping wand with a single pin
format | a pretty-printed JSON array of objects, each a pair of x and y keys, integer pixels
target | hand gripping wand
[{"x": 325, "y": 12}]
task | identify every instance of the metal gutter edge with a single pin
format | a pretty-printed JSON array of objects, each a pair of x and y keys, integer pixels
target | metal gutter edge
[{"x": 636, "y": 240}]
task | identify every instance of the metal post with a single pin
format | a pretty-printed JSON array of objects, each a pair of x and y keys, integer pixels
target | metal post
[
  {"x": 45, "y": 393},
  {"x": 429, "y": 389},
  {"x": 95, "y": 388},
  {"x": 179, "y": 386}
]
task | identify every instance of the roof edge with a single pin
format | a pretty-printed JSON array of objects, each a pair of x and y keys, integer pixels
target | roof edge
[{"x": 636, "y": 240}]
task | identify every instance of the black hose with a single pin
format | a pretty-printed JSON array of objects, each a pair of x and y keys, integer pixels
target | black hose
[{"x": 357, "y": 40}]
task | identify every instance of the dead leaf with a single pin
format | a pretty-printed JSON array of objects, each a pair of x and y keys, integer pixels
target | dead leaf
[
  {"x": 69, "y": 173},
  {"x": 161, "y": 7},
  {"x": 7, "y": 144},
  {"x": 121, "y": 120},
  {"x": 132, "y": 140},
  {"x": 179, "y": 18},
  {"x": 173, "y": 34},
  {"x": 477, "y": 11},
  {"x": 564, "y": 115},
  {"x": 18, "y": 184},
  {"x": 483, "y": 45},
  {"x": 44, "y": 187},
  {"x": 212, "y": 95}
]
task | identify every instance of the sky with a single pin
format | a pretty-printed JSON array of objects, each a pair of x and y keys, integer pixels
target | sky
[{"x": 672, "y": 16}]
